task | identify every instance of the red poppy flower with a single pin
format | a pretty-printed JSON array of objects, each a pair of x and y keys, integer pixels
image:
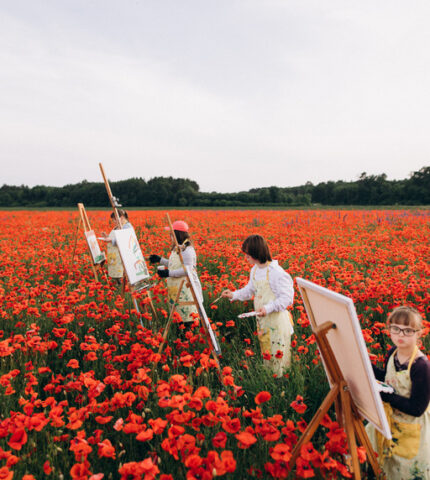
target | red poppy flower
[
  {"x": 106, "y": 449},
  {"x": 281, "y": 452},
  {"x": 304, "y": 469},
  {"x": 219, "y": 440},
  {"x": 245, "y": 439},
  {"x": 103, "y": 420},
  {"x": 145, "y": 435},
  {"x": 73, "y": 363},
  {"x": 298, "y": 404},
  {"x": 18, "y": 439},
  {"x": 231, "y": 426},
  {"x": 5, "y": 473},
  {"x": 47, "y": 468},
  {"x": 262, "y": 397}
]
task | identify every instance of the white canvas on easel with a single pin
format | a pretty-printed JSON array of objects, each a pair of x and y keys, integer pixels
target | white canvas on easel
[
  {"x": 97, "y": 255},
  {"x": 348, "y": 345},
  {"x": 202, "y": 311},
  {"x": 131, "y": 256}
]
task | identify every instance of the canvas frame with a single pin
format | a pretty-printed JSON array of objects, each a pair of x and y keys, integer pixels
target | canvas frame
[
  {"x": 348, "y": 345},
  {"x": 202, "y": 311},
  {"x": 97, "y": 255},
  {"x": 132, "y": 258}
]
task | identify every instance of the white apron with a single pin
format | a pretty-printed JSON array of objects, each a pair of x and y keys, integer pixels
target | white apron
[
  {"x": 173, "y": 284},
  {"x": 274, "y": 330},
  {"x": 114, "y": 263},
  {"x": 407, "y": 455}
]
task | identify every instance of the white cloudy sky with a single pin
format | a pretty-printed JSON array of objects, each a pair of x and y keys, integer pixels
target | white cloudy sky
[{"x": 233, "y": 94}]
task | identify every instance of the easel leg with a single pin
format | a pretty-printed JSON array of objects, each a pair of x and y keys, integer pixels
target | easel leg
[
  {"x": 169, "y": 321},
  {"x": 137, "y": 309},
  {"x": 76, "y": 241},
  {"x": 350, "y": 431},
  {"x": 338, "y": 410},
  {"x": 313, "y": 425},
  {"x": 166, "y": 330},
  {"x": 364, "y": 440},
  {"x": 103, "y": 274},
  {"x": 95, "y": 272},
  {"x": 217, "y": 364},
  {"x": 151, "y": 304}
]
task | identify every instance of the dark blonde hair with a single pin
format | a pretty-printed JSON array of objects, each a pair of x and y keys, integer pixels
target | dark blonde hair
[
  {"x": 406, "y": 316},
  {"x": 121, "y": 213},
  {"x": 256, "y": 247},
  {"x": 183, "y": 239}
]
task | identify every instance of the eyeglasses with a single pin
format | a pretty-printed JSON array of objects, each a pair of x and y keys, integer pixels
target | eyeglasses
[{"x": 407, "y": 332}]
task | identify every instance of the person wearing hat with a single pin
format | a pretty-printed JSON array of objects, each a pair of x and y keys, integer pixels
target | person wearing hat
[{"x": 174, "y": 272}]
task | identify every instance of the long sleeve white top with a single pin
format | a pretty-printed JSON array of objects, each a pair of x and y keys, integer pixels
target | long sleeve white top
[
  {"x": 190, "y": 260},
  {"x": 280, "y": 282},
  {"x": 112, "y": 233}
]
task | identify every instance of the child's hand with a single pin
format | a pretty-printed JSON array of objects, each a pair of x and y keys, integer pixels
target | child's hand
[
  {"x": 163, "y": 273},
  {"x": 154, "y": 258},
  {"x": 227, "y": 294},
  {"x": 262, "y": 312},
  {"x": 105, "y": 237}
]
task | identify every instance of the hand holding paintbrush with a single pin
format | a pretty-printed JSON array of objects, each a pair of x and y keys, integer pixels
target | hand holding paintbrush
[{"x": 224, "y": 294}]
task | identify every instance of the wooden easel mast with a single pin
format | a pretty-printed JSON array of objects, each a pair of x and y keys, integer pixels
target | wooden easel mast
[
  {"x": 114, "y": 203},
  {"x": 113, "y": 200},
  {"x": 346, "y": 411}
]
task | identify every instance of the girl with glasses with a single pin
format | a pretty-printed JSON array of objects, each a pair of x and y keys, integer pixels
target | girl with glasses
[{"x": 407, "y": 370}]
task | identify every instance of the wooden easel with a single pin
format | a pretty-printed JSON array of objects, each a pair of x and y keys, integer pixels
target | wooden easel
[
  {"x": 83, "y": 220},
  {"x": 114, "y": 203},
  {"x": 178, "y": 303},
  {"x": 347, "y": 413}
]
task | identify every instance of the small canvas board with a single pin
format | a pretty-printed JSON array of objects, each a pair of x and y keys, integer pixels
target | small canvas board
[
  {"x": 202, "y": 312},
  {"x": 131, "y": 256},
  {"x": 349, "y": 348},
  {"x": 93, "y": 245}
]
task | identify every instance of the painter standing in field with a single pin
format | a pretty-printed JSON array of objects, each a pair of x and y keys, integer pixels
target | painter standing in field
[
  {"x": 172, "y": 270},
  {"x": 114, "y": 263},
  {"x": 407, "y": 371},
  {"x": 273, "y": 291}
]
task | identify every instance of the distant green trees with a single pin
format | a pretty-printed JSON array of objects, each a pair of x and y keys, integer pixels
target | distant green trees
[{"x": 182, "y": 192}]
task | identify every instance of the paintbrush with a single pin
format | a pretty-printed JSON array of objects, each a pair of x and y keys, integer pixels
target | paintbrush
[{"x": 219, "y": 298}]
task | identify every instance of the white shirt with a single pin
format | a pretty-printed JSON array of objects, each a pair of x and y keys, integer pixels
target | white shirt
[{"x": 280, "y": 282}]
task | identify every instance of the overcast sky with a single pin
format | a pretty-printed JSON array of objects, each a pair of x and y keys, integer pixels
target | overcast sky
[{"x": 232, "y": 94}]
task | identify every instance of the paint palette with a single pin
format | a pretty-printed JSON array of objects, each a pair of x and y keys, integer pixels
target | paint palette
[{"x": 247, "y": 314}]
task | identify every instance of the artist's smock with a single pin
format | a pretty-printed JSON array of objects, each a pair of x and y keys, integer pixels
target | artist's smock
[
  {"x": 275, "y": 329},
  {"x": 280, "y": 283},
  {"x": 407, "y": 455},
  {"x": 114, "y": 263},
  {"x": 176, "y": 275}
]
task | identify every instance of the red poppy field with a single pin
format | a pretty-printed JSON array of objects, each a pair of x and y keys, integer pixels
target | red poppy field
[{"x": 85, "y": 394}]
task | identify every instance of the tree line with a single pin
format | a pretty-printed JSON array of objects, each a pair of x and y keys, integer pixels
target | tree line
[{"x": 182, "y": 192}]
